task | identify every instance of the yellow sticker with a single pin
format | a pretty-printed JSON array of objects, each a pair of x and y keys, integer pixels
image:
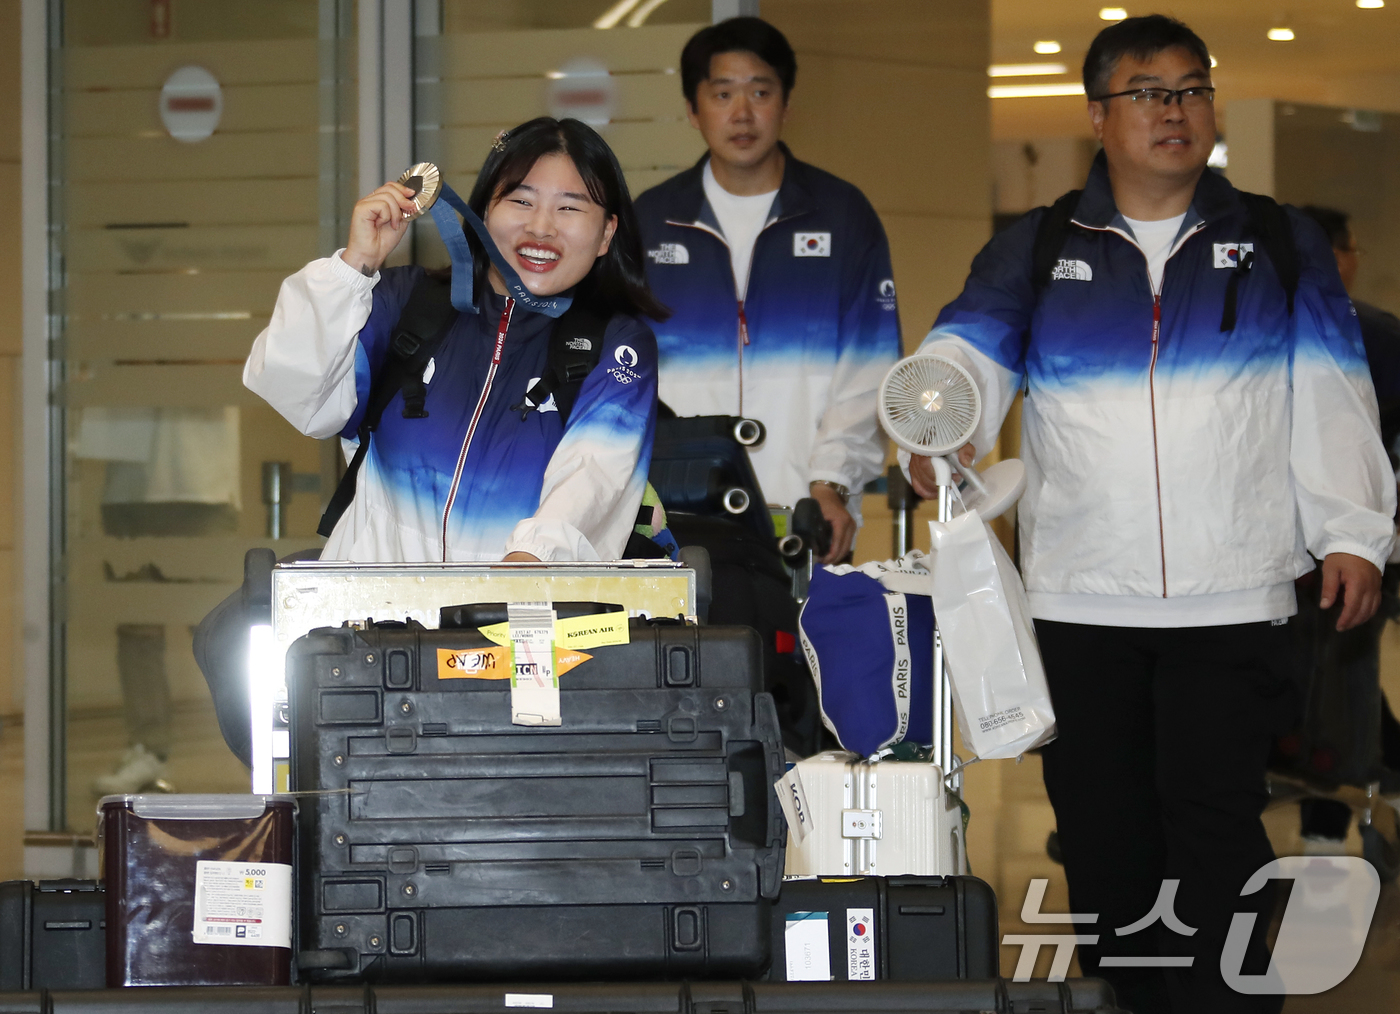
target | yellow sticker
[
  {"x": 494, "y": 663},
  {"x": 780, "y": 523},
  {"x": 474, "y": 664},
  {"x": 498, "y": 633},
  {"x": 566, "y": 659},
  {"x": 591, "y": 631}
]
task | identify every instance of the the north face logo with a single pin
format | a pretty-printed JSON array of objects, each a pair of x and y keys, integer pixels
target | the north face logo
[
  {"x": 1075, "y": 271},
  {"x": 580, "y": 344},
  {"x": 670, "y": 253}
]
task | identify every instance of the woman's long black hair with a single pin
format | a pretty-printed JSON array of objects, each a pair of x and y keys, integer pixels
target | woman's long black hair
[{"x": 617, "y": 281}]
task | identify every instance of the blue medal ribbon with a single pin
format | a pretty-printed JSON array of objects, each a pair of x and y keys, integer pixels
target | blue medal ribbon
[{"x": 456, "y": 242}]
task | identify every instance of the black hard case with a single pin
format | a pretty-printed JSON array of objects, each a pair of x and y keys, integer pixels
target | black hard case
[
  {"x": 641, "y": 838},
  {"x": 987, "y": 996},
  {"x": 52, "y": 935},
  {"x": 925, "y": 928}
]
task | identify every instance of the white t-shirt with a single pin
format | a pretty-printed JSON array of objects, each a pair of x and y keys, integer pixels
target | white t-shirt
[
  {"x": 741, "y": 219},
  {"x": 1156, "y": 240}
]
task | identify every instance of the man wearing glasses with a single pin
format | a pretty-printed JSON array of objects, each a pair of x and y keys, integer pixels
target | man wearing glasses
[{"x": 1198, "y": 417}]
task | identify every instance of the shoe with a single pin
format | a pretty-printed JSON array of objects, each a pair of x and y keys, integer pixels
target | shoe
[{"x": 137, "y": 769}]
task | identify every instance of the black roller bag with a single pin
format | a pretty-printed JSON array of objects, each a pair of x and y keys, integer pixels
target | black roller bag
[
  {"x": 985, "y": 996},
  {"x": 699, "y": 462},
  {"x": 52, "y": 935},
  {"x": 641, "y": 838},
  {"x": 901, "y": 928}
]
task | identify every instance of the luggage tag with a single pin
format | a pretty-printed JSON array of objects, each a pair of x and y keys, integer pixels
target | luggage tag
[
  {"x": 793, "y": 800},
  {"x": 534, "y": 684}
]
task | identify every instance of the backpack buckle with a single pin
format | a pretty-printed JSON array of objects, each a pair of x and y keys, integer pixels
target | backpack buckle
[{"x": 406, "y": 344}]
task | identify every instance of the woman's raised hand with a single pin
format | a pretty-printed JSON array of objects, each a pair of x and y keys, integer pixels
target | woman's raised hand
[{"x": 377, "y": 223}]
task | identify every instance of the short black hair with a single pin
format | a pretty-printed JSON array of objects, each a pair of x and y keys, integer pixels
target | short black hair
[
  {"x": 748, "y": 35},
  {"x": 1337, "y": 224},
  {"x": 1141, "y": 38},
  {"x": 617, "y": 282}
]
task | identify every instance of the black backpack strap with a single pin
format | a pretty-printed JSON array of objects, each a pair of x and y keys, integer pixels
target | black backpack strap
[
  {"x": 1050, "y": 236},
  {"x": 575, "y": 345},
  {"x": 1267, "y": 222},
  {"x": 426, "y": 318}
]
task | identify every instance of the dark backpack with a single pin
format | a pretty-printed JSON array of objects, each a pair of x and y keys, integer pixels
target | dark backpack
[
  {"x": 574, "y": 347},
  {"x": 1266, "y": 220}
]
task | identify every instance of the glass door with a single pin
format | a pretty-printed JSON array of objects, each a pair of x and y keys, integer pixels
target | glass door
[
  {"x": 202, "y": 151},
  {"x": 614, "y": 65}
]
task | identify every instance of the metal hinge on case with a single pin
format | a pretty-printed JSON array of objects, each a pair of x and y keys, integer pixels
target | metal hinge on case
[{"x": 861, "y": 824}]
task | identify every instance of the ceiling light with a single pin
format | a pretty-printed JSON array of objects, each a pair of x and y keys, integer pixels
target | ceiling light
[
  {"x": 1033, "y": 91},
  {"x": 1024, "y": 69},
  {"x": 615, "y": 13},
  {"x": 1370, "y": 5},
  {"x": 1047, "y": 46},
  {"x": 1112, "y": 13},
  {"x": 640, "y": 15},
  {"x": 1280, "y": 35},
  {"x": 1214, "y": 62}
]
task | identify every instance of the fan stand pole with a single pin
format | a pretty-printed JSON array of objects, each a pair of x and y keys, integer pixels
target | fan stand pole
[{"x": 942, "y": 689}]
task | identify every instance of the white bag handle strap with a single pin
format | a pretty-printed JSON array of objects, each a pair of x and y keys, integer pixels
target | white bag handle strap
[{"x": 901, "y": 673}]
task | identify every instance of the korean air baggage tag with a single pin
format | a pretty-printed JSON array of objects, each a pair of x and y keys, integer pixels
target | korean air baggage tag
[{"x": 534, "y": 684}]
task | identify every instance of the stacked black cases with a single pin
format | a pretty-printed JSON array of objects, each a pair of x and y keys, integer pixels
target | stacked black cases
[
  {"x": 52, "y": 935},
  {"x": 641, "y": 838},
  {"x": 901, "y": 928}
]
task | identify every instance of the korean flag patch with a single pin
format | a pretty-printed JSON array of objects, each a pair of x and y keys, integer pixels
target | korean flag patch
[
  {"x": 1227, "y": 255},
  {"x": 811, "y": 244}
]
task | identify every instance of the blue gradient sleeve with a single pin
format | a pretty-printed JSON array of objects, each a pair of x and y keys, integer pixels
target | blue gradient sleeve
[
  {"x": 594, "y": 482},
  {"x": 994, "y": 310}
]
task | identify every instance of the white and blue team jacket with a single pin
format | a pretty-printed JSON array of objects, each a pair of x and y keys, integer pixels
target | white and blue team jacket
[
  {"x": 1177, "y": 474},
  {"x": 805, "y": 351},
  {"x": 473, "y": 481}
]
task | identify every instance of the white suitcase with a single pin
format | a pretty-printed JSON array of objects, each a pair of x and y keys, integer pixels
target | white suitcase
[{"x": 849, "y": 817}]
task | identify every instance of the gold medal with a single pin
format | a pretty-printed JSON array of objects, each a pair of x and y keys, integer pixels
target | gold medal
[{"x": 426, "y": 183}]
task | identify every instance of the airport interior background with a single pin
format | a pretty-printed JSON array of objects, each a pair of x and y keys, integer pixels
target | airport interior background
[{"x": 170, "y": 161}]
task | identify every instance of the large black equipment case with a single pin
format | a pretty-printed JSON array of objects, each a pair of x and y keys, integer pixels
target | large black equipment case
[
  {"x": 986, "y": 996},
  {"x": 923, "y": 928},
  {"x": 641, "y": 838},
  {"x": 53, "y": 935}
]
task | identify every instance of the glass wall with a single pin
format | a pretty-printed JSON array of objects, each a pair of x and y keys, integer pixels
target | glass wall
[
  {"x": 201, "y": 152},
  {"x": 499, "y": 63}
]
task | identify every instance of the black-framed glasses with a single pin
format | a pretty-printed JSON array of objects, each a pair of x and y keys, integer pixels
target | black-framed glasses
[{"x": 1197, "y": 96}]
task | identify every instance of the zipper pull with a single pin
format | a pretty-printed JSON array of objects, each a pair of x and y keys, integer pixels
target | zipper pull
[
  {"x": 743, "y": 324},
  {"x": 1156, "y": 314}
]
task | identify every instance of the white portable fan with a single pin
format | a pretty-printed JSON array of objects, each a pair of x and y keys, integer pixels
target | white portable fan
[{"x": 929, "y": 405}]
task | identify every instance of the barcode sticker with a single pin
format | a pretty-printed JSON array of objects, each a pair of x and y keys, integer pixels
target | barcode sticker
[
  {"x": 243, "y": 904},
  {"x": 534, "y": 686}
]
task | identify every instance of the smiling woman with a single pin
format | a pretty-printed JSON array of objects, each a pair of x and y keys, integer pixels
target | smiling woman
[
  {"x": 495, "y": 454},
  {"x": 554, "y": 199}
]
